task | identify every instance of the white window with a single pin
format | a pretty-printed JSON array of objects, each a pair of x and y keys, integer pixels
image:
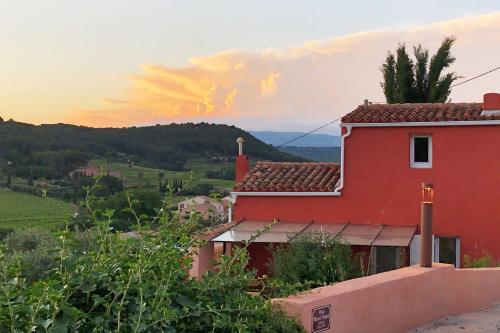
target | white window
[
  {"x": 421, "y": 151},
  {"x": 445, "y": 250}
]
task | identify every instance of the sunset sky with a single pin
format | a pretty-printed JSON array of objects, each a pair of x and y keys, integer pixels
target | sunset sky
[{"x": 261, "y": 65}]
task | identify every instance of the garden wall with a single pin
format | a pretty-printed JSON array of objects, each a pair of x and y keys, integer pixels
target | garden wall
[{"x": 395, "y": 301}]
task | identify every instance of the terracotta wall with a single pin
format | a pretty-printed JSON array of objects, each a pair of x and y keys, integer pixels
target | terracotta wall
[
  {"x": 399, "y": 300},
  {"x": 260, "y": 258},
  {"x": 381, "y": 188},
  {"x": 203, "y": 260}
]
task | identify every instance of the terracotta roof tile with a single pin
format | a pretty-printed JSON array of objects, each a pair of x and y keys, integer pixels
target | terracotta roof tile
[
  {"x": 417, "y": 112},
  {"x": 290, "y": 177}
]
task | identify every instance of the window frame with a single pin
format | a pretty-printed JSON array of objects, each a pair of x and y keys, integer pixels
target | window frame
[
  {"x": 436, "y": 255},
  {"x": 373, "y": 258},
  {"x": 420, "y": 165}
]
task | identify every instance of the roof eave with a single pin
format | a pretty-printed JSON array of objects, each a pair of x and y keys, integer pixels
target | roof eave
[
  {"x": 427, "y": 123},
  {"x": 286, "y": 194}
]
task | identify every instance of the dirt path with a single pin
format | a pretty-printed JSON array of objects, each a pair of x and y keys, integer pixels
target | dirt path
[{"x": 486, "y": 321}]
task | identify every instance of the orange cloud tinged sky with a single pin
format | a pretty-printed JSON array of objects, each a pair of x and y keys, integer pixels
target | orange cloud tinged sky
[{"x": 293, "y": 88}]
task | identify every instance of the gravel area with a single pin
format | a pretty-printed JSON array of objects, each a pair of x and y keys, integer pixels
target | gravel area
[{"x": 486, "y": 320}]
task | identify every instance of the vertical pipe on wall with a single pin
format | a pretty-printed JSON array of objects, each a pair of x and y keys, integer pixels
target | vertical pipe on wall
[{"x": 342, "y": 159}]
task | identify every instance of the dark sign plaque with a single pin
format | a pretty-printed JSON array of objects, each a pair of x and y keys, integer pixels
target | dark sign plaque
[{"x": 321, "y": 319}]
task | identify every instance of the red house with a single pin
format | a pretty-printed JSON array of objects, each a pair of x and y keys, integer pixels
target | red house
[{"x": 371, "y": 199}]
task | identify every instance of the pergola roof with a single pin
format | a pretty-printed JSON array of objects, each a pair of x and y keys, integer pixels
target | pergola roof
[{"x": 284, "y": 231}]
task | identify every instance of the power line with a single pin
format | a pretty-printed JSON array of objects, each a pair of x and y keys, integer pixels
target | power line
[
  {"x": 310, "y": 132},
  {"x": 475, "y": 77},
  {"x": 331, "y": 122}
]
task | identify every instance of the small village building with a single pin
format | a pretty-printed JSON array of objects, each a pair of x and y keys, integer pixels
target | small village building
[
  {"x": 371, "y": 199},
  {"x": 208, "y": 208}
]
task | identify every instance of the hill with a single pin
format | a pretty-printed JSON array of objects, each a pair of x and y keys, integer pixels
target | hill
[
  {"x": 19, "y": 210},
  {"x": 319, "y": 154},
  {"x": 52, "y": 151},
  {"x": 311, "y": 140}
]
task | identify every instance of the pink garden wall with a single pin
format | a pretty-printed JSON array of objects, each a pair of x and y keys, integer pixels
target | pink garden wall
[{"x": 395, "y": 301}]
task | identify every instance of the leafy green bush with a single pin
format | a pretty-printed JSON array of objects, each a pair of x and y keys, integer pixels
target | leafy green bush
[
  {"x": 32, "y": 250},
  {"x": 23, "y": 240},
  {"x": 317, "y": 258},
  {"x": 484, "y": 261},
  {"x": 199, "y": 189},
  {"x": 144, "y": 202},
  {"x": 135, "y": 285},
  {"x": 4, "y": 232}
]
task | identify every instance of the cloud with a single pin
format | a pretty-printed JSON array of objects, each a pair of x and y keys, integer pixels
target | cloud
[
  {"x": 296, "y": 87},
  {"x": 269, "y": 84}
]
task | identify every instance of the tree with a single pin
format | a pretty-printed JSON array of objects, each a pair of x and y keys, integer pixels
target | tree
[
  {"x": 9, "y": 173},
  {"x": 161, "y": 176},
  {"x": 30, "y": 178},
  {"x": 418, "y": 81}
]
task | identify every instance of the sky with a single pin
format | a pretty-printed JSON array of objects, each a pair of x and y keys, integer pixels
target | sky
[{"x": 260, "y": 65}]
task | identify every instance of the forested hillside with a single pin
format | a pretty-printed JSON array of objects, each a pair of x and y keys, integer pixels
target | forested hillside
[{"x": 52, "y": 151}]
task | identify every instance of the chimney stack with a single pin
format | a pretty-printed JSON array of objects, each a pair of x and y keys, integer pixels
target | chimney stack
[
  {"x": 242, "y": 162},
  {"x": 491, "y": 104}
]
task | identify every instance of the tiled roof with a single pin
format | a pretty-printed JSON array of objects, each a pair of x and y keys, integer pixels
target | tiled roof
[
  {"x": 417, "y": 112},
  {"x": 290, "y": 177}
]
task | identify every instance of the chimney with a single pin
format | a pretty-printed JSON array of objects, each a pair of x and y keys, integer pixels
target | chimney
[
  {"x": 242, "y": 162},
  {"x": 491, "y": 104}
]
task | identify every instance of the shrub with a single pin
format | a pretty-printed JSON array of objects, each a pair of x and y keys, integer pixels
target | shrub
[
  {"x": 316, "y": 258},
  {"x": 33, "y": 250},
  {"x": 485, "y": 261},
  {"x": 144, "y": 202},
  {"x": 4, "y": 232},
  {"x": 199, "y": 189},
  {"x": 136, "y": 285},
  {"x": 81, "y": 220},
  {"x": 23, "y": 240}
]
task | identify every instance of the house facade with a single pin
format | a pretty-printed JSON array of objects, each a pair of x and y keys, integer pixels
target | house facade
[{"x": 373, "y": 196}]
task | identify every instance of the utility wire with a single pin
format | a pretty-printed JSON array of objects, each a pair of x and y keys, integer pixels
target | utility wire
[
  {"x": 310, "y": 132},
  {"x": 475, "y": 77},
  {"x": 331, "y": 122}
]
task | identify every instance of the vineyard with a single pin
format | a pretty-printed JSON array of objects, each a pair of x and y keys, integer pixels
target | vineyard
[{"x": 19, "y": 210}]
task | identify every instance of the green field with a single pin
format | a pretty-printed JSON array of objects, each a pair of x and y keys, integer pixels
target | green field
[
  {"x": 198, "y": 169},
  {"x": 19, "y": 210}
]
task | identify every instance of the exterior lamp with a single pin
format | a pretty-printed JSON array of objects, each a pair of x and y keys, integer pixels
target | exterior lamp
[
  {"x": 426, "y": 225},
  {"x": 427, "y": 193}
]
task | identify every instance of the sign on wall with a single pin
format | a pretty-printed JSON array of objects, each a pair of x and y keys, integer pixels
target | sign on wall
[{"x": 321, "y": 319}]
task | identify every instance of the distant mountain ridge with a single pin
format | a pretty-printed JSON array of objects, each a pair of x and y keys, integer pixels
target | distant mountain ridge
[
  {"x": 311, "y": 140},
  {"x": 318, "y": 154}
]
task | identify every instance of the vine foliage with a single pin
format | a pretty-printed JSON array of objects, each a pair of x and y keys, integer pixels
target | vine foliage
[{"x": 141, "y": 284}]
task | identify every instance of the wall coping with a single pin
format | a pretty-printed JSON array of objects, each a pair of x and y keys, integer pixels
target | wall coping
[{"x": 365, "y": 282}]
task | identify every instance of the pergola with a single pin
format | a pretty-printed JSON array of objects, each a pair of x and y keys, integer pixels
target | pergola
[{"x": 285, "y": 231}]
